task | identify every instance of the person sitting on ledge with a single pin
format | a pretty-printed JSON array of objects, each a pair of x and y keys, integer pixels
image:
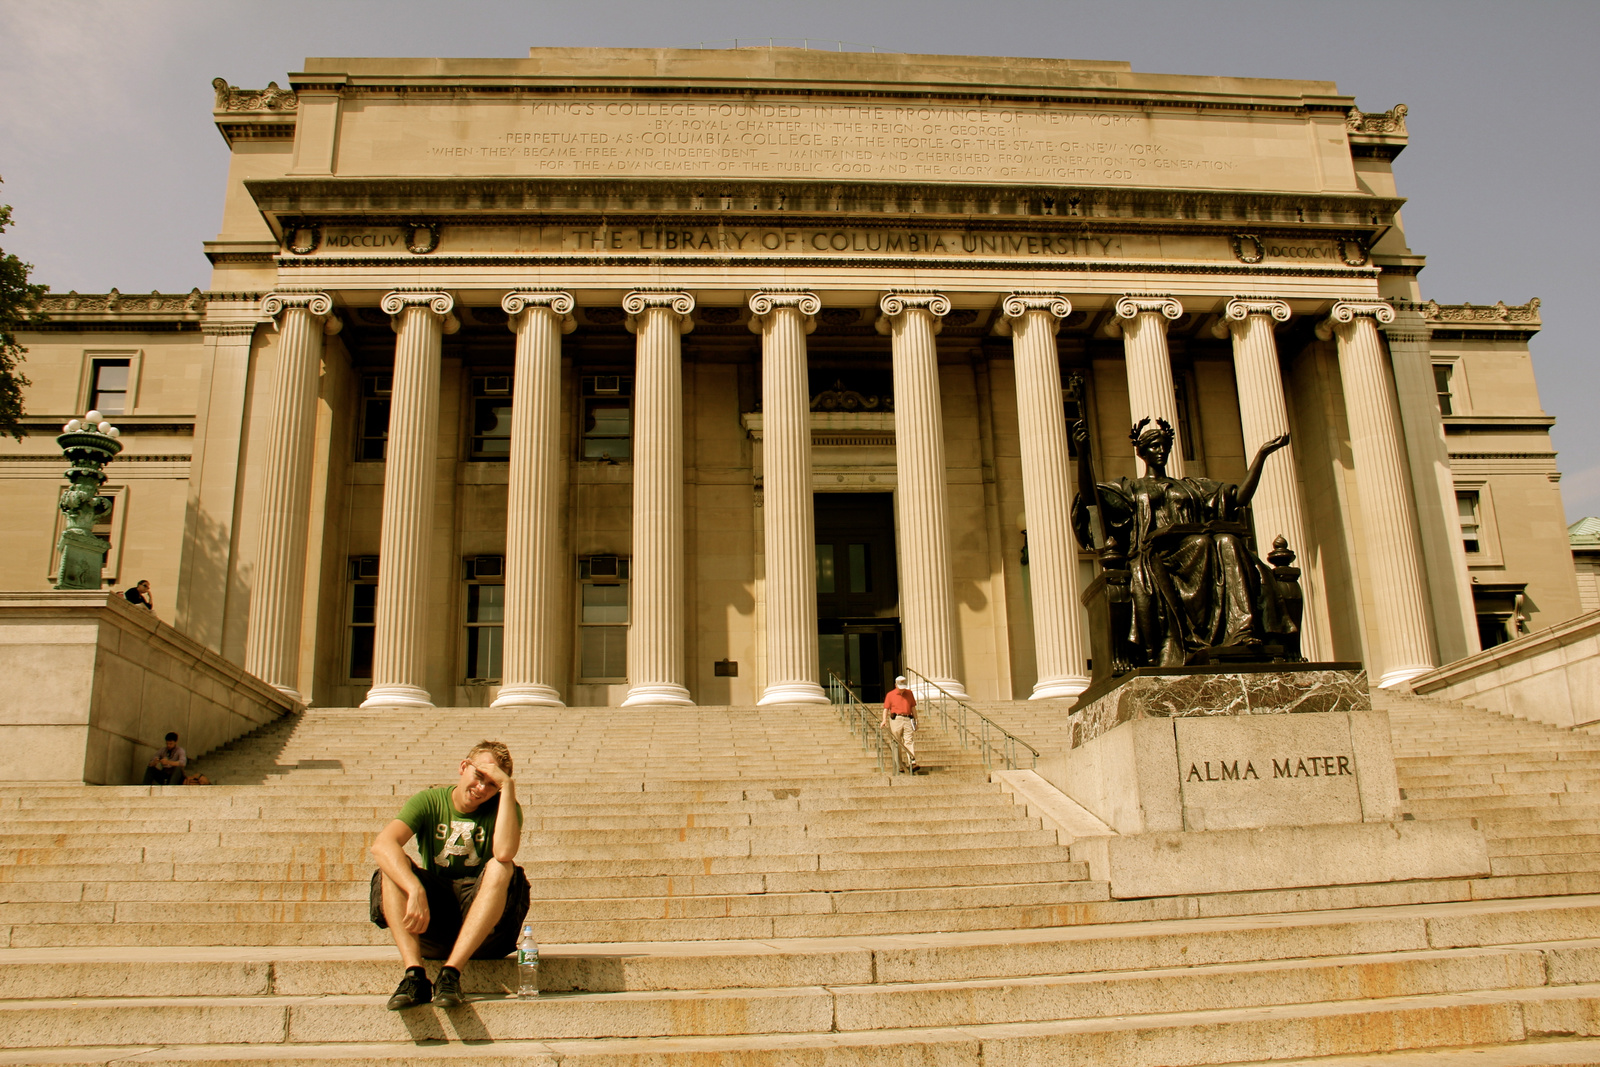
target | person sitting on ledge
[
  {"x": 166, "y": 766},
  {"x": 140, "y": 595},
  {"x": 468, "y": 899}
]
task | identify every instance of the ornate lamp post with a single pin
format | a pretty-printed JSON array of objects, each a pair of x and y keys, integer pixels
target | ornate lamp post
[{"x": 89, "y": 444}]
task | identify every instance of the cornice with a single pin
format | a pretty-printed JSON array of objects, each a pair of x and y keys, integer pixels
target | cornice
[
  {"x": 1382, "y": 123},
  {"x": 231, "y": 99},
  {"x": 254, "y": 114},
  {"x": 523, "y": 201},
  {"x": 1477, "y": 315}
]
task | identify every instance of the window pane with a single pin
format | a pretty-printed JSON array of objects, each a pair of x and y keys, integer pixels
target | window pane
[
  {"x": 825, "y": 569},
  {"x": 486, "y": 603},
  {"x": 1441, "y": 385},
  {"x": 361, "y": 651},
  {"x": 483, "y": 650},
  {"x": 491, "y": 427},
  {"x": 603, "y": 652},
  {"x": 374, "y": 427},
  {"x": 860, "y": 576},
  {"x": 605, "y": 603},
  {"x": 607, "y": 419},
  {"x": 363, "y": 604},
  {"x": 111, "y": 376}
]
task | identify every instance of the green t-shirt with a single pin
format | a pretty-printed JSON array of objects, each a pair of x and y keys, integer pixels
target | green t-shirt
[{"x": 449, "y": 840}]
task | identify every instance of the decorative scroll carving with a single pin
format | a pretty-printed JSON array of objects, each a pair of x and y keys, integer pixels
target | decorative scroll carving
[
  {"x": 1377, "y": 122},
  {"x": 442, "y": 304},
  {"x": 841, "y": 399},
  {"x": 1242, "y": 307},
  {"x": 115, "y": 303},
  {"x": 557, "y": 301},
  {"x": 1499, "y": 311},
  {"x": 315, "y": 302},
  {"x": 639, "y": 301},
  {"x": 767, "y": 300},
  {"x": 231, "y": 98},
  {"x": 1166, "y": 306},
  {"x": 935, "y": 304},
  {"x": 1347, "y": 311},
  {"x": 1019, "y": 304}
]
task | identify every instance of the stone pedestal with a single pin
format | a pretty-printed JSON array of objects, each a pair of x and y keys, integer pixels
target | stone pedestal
[{"x": 1226, "y": 778}]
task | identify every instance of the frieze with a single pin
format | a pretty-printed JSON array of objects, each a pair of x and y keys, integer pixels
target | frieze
[
  {"x": 1381, "y": 123},
  {"x": 231, "y": 98},
  {"x": 1499, "y": 311},
  {"x": 116, "y": 302}
]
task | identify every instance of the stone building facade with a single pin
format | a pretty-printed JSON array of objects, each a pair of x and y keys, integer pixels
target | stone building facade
[{"x": 612, "y": 376}]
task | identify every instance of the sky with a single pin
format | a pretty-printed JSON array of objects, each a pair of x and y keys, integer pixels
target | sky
[{"x": 115, "y": 171}]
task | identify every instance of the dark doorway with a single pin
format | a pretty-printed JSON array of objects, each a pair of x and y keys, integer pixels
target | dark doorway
[{"x": 858, "y": 591}]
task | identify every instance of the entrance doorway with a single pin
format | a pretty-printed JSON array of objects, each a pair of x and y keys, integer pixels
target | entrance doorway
[{"x": 858, "y": 591}]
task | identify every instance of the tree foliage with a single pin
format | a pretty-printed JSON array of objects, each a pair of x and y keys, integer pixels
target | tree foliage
[{"x": 19, "y": 305}]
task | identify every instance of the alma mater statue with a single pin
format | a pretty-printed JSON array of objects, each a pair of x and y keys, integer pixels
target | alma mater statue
[{"x": 1180, "y": 584}]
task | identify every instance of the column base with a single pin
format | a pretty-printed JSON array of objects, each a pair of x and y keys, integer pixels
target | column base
[
  {"x": 1402, "y": 675},
  {"x": 397, "y": 696},
  {"x": 527, "y": 696},
  {"x": 1059, "y": 688},
  {"x": 293, "y": 694},
  {"x": 949, "y": 685},
  {"x": 794, "y": 693},
  {"x": 657, "y": 694}
]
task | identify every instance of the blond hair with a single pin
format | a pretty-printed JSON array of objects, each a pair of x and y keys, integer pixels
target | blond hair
[{"x": 497, "y": 749}]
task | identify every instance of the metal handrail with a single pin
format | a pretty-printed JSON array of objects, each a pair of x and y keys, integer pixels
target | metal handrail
[
  {"x": 863, "y": 721},
  {"x": 956, "y": 716}
]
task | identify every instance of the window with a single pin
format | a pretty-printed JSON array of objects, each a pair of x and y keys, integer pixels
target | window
[
  {"x": 850, "y": 574},
  {"x": 1185, "y": 427},
  {"x": 825, "y": 582},
  {"x": 486, "y": 613},
  {"x": 363, "y": 614},
  {"x": 1467, "y": 507},
  {"x": 603, "y": 619},
  {"x": 491, "y": 417},
  {"x": 607, "y": 417},
  {"x": 373, "y": 441},
  {"x": 1442, "y": 375},
  {"x": 108, "y": 386}
]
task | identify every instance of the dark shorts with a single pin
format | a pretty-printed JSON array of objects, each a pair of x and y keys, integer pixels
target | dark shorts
[{"x": 449, "y": 899}]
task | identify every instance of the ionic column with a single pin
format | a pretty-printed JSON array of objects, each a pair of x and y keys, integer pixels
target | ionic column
[
  {"x": 783, "y": 320},
  {"x": 1394, "y": 575},
  {"x": 399, "y": 664},
  {"x": 1032, "y": 319},
  {"x": 272, "y": 643},
  {"x": 533, "y": 509},
  {"x": 1263, "y": 415},
  {"x": 655, "y": 637},
  {"x": 1142, "y": 321},
  {"x": 911, "y": 319}
]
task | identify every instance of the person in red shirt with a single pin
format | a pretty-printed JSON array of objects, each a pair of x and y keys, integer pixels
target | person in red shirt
[{"x": 900, "y": 716}]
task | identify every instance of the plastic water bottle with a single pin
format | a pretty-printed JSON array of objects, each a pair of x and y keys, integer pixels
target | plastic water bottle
[{"x": 527, "y": 964}]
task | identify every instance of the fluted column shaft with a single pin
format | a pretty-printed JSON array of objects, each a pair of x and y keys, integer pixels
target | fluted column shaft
[
  {"x": 399, "y": 663},
  {"x": 1394, "y": 576},
  {"x": 272, "y": 644},
  {"x": 655, "y": 637},
  {"x": 1151, "y": 393},
  {"x": 533, "y": 511},
  {"x": 783, "y": 320},
  {"x": 926, "y": 609},
  {"x": 1264, "y": 415},
  {"x": 1032, "y": 319}
]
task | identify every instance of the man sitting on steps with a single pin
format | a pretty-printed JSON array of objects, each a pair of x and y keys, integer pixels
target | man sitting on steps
[{"x": 468, "y": 899}]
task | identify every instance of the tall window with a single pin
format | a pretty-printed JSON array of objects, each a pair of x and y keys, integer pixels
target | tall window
[
  {"x": 1442, "y": 375},
  {"x": 1185, "y": 427},
  {"x": 1468, "y": 507},
  {"x": 372, "y": 444},
  {"x": 603, "y": 619},
  {"x": 363, "y": 614},
  {"x": 486, "y": 614},
  {"x": 491, "y": 417},
  {"x": 607, "y": 417},
  {"x": 108, "y": 386}
]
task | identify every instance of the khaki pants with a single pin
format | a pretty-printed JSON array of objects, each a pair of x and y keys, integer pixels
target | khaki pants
[{"x": 904, "y": 731}]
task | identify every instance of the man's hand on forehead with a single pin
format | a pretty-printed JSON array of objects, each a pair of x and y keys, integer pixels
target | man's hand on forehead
[{"x": 488, "y": 767}]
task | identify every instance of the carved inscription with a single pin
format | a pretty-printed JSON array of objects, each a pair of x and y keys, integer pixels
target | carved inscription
[
  {"x": 746, "y": 139},
  {"x": 1292, "y": 767}
]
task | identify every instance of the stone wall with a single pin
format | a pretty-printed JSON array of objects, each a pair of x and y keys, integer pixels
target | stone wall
[
  {"x": 93, "y": 684},
  {"x": 1552, "y": 676}
]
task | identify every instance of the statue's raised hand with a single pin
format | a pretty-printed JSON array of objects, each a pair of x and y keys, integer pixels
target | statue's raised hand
[
  {"x": 1273, "y": 445},
  {"x": 1079, "y": 432}
]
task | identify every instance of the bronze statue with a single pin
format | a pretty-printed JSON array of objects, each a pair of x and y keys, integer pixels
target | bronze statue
[{"x": 1180, "y": 584}]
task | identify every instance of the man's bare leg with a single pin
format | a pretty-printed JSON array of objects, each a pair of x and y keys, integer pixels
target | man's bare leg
[
  {"x": 394, "y": 913},
  {"x": 486, "y": 910}
]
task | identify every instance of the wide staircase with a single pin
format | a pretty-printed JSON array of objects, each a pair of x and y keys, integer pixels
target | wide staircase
[{"x": 744, "y": 886}]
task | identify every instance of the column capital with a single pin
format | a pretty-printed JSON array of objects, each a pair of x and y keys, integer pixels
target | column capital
[
  {"x": 1236, "y": 312},
  {"x": 676, "y": 301},
  {"x": 1134, "y": 305},
  {"x": 395, "y": 303},
  {"x": 316, "y": 302},
  {"x": 764, "y": 303},
  {"x": 1345, "y": 312},
  {"x": 897, "y": 303},
  {"x": 1018, "y": 304},
  {"x": 558, "y": 302}
]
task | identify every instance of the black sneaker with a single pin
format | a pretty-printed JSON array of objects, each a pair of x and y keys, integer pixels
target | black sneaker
[
  {"x": 449, "y": 992},
  {"x": 413, "y": 989}
]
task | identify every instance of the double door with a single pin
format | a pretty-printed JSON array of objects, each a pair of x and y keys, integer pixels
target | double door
[{"x": 858, "y": 601}]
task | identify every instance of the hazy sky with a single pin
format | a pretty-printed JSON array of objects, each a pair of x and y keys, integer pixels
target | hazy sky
[{"x": 116, "y": 173}]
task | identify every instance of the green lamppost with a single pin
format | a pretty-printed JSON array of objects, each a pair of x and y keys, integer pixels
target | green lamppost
[{"x": 88, "y": 444}]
